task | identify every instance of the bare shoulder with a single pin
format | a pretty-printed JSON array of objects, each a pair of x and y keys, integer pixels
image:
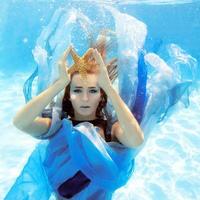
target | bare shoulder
[{"x": 116, "y": 131}]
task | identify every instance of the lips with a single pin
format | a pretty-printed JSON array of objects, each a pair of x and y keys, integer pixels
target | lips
[{"x": 85, "y": 106}]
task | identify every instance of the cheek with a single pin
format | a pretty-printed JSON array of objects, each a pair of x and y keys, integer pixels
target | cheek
[
  {"x": 73, "y": 97},
  {"x": 74, "y": 100},
  {"x": 96, "y": 99}
]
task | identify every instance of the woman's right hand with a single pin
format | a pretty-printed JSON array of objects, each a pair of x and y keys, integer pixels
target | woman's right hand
[{"x": 64, "y": 76}]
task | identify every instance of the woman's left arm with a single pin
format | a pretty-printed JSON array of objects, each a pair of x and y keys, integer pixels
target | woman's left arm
[{"x": 127, "y": 129}]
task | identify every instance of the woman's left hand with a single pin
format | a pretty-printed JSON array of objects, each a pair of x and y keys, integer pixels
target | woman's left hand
[{"x": 103, "y": 78}]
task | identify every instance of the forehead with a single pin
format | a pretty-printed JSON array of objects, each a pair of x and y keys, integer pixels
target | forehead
[{"x": 91, "y": 81}]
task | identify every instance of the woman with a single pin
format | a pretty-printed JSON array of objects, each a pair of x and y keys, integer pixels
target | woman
[{"x": 90, "y": 170}]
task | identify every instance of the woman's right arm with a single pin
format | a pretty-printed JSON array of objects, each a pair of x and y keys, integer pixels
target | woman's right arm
[{"x": 28, "y": 117}]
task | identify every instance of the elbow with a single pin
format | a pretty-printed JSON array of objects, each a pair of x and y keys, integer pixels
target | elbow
[
  {"x": 129, "y": 139},
  {"x": 139, "y": 141},
  {"x": 17, "y": 124},
  {"x": 141, "y": 137}
]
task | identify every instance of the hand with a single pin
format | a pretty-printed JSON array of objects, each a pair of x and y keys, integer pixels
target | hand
[
  {"x": 64, "y": 76},
  {"x": 103, "y": 79}
]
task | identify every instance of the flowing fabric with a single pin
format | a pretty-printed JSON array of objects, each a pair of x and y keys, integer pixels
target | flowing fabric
[{"x": 69, "y": 150}]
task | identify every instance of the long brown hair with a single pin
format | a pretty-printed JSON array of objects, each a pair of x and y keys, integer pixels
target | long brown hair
[{"x": 102, "y": 46}]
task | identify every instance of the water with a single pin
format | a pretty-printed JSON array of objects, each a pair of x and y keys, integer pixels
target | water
[{"x": 168, "y": 166}]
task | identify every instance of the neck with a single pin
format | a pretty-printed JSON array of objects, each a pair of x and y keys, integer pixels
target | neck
[
  {"x": 83, "y": 119},
  {"x": 78, "y": 117}
]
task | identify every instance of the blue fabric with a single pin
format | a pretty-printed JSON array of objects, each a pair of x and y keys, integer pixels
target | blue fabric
[
  {"x": 73, "y": 185},
  {"x": 27, "y": 89},
  {"x": 68, "y": 151},
  {"x": 141, "y": 94}
]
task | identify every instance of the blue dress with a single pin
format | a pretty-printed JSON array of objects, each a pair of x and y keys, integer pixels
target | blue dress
[{"x": 76, "y": 159}]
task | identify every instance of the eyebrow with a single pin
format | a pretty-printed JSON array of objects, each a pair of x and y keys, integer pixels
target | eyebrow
[{"x": 88, "y": 87}]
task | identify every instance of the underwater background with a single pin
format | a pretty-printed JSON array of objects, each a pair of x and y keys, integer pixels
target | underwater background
[{"x": 168, "y": 167}]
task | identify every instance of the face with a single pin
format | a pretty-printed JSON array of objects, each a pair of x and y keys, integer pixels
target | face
[{"x": 85, "y": 96}]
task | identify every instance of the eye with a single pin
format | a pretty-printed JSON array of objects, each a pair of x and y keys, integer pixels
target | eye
[
  {"x": 93, "y": 91},
  {"x": 77, "y": 91}
]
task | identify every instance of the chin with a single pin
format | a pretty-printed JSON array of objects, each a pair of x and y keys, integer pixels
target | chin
[{"x": 85, "y": 114}]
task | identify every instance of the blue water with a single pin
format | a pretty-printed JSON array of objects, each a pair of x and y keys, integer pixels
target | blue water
[{"x": 168, "y": 167}]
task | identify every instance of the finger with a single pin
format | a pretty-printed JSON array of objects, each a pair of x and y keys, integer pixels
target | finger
[
  {"x": 65, "y": 54},
  {"x": 98, "y": 58},
  {"x": 67, "y": 70}
]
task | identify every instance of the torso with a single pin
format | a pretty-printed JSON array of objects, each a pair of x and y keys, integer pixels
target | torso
[{"x": 101, "y": 124}]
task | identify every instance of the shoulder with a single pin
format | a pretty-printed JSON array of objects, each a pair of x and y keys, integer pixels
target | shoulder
[
  {"x": 53, "y": 122},
  {"x": 115, "y": 131}
]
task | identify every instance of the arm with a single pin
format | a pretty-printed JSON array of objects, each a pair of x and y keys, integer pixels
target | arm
[
  {"x": 127, "y": 129},
  {"x": 27, "y": 118}
]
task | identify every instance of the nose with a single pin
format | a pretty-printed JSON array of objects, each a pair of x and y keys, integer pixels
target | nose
[{"x": 85, "y": 96}]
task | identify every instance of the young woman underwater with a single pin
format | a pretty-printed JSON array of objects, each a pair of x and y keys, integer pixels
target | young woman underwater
[{"x": 79, "y": 159}]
